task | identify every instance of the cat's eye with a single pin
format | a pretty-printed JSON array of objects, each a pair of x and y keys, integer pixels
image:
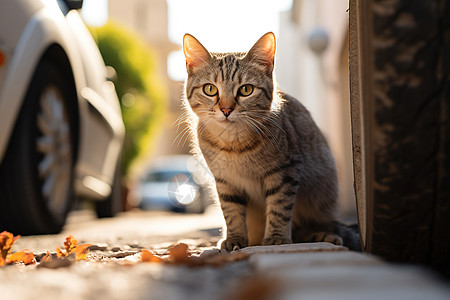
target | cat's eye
[
  {"x": 245, "y": 90},
  {"x": 210, "y": 89}
]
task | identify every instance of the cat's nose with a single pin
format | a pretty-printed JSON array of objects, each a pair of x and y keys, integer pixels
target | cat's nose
[{"x": 226, "y": 111}]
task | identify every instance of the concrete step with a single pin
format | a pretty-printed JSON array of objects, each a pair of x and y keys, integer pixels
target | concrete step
[{"x": 325, "y": 271}]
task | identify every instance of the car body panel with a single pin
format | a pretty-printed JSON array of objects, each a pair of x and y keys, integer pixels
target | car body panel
[{"x": 101, "y": 129}]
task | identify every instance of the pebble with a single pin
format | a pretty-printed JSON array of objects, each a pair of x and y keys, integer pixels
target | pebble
[
  {"x": 209, "y": 252},
  {"x": 122, "y": 254},
  {"x": 99, "y": 247},
  {"x": 135, "y": 245}
]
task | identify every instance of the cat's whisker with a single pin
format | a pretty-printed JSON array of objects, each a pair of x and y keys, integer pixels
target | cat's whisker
[
  {"x": 264, "y": 128},
  {"x": 271, "y": 118},
  {"x": 181, "y": 119},
  {"x": 249, "y": 120},
  {"x": 206, "y": 112},
  {"x": 274, "y": 138},
  {"x": 270, "y": 136},
  {"x": 250, "y": 127},
  {"x": 182, "y": 136},
  {"x": 255, "y": 128},
  {"x": 202, "y": 127}
]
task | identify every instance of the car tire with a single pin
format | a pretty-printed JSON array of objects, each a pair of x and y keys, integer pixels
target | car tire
[
  {"x": 114, "y": 203},
  {"x": 36, "y": 173}
]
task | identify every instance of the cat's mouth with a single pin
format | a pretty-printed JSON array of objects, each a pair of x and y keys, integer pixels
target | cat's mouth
[{"x": 225, "y": 120}]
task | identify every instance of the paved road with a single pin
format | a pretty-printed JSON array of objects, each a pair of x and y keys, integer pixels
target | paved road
[
  {"x": 143, "y": 228},
  {"x": 115, "y": 278}
]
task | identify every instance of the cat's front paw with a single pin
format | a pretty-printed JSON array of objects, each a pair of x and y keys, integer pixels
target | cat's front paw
[
  {"x": 276, "y": 240},
  {"x": 233, "y": 243},
  {"x": 327, "y": 237}
]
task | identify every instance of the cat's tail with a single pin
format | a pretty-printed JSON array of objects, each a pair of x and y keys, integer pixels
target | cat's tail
[{"x": 349, "y": 235}]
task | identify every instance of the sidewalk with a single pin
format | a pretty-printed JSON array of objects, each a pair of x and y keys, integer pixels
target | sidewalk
[{"x": 325, "y": 271}]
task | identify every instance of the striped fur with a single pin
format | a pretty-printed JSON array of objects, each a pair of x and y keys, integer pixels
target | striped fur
[{"x": 275, "y": 175}]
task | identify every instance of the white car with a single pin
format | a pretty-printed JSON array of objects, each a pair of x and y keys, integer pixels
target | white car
[{"x": 61, "y": 129}]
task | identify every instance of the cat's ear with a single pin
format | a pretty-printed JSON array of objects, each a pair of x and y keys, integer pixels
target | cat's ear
[
  {"x": 196, "y": 55},
  {"x": 263, "y": 51}
]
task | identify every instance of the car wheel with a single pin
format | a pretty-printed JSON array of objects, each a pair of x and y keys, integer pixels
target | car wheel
[{"x": 36, "y": 174}]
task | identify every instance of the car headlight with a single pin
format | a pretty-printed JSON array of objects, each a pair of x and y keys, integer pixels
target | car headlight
[{"x": 185, "y": 194}]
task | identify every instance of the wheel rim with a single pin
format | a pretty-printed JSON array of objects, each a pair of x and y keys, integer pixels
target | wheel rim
[{"x": 53, "y": 143}]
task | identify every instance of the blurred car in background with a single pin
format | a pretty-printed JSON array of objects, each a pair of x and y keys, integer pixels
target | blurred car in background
[
  {"x": 178, "y": 183},
  {"x": 61, "y": 130}
]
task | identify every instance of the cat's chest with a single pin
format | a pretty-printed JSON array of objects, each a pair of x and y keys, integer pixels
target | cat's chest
[
  {"x": 240, "y": 173},
  {"x": 232, "y": 165}
]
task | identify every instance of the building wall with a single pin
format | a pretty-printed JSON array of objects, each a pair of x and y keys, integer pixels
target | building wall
[
  {"x": 320, "y": 80},
  {"x": 149, "y": 19}
]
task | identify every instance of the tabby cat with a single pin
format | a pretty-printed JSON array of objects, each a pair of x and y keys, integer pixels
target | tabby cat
[{"x": 274, "y": 173}]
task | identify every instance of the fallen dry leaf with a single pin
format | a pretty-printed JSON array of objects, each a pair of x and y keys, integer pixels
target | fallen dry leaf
[
  {"x": 47, "y": 257},
  {"x": 21, "y": 257},
  {"x": 179, "y": 253},
  {"x": 148, "y": 256},
  {"x": 70, "y": 243},
  {"x": 71, "y": 246},
  {"x": 60, "y": 253},
  {"x": 81, "y": 251},
  {"x": 7, "y": 239}
]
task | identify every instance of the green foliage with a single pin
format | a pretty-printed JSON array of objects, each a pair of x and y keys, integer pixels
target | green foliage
[{"x": 142, "y": 94}]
